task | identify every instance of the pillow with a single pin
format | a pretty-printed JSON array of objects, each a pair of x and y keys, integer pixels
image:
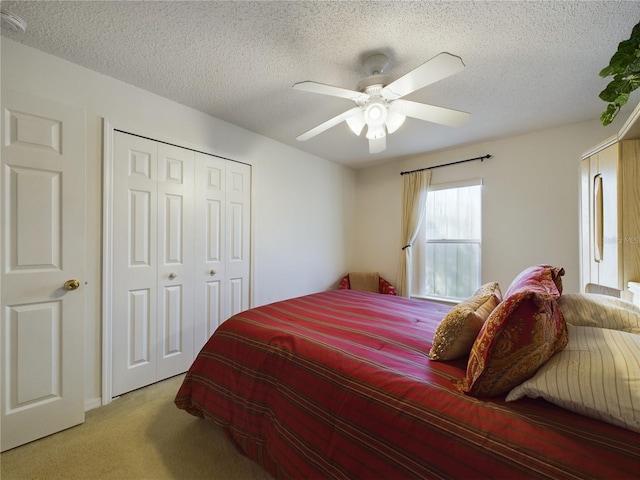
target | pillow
[
  {"x": 535, "y": 275},
  {"x": 520, "y": 335},
  {"x": 597, "y": 375},
  {"x": 458, "y": 330},
  {"x": 594, "y": 310}
]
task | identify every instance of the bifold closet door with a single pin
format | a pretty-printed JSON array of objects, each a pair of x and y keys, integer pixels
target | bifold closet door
[
  {"x": 153, "y": 256},
  {"x": 223, "y": 196}
]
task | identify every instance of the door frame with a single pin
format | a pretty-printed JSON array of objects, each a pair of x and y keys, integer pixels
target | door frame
[{"x": 109, "y": 129}]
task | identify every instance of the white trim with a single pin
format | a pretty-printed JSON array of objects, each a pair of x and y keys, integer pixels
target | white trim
[
  {"x": 92, "y": 404},
  {"x": 631, "y": 128},
  {"x": 601, "y": 146},
  {"x": 443, "y": 300},
  {"x": 107, "y": 261},
  {"x": 109, "y": 127},
  {"x": 252, "y": 236},
  {"x": 472, "y": 182}
]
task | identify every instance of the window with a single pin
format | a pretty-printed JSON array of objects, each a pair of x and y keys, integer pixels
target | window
[{"x": 449, "y": 255}]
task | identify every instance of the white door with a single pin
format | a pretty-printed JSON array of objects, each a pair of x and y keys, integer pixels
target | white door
[
  {"x": 42, "y": 272},
  {"x": 222, "y": 229},
  {"x": 153, "y": 256}
]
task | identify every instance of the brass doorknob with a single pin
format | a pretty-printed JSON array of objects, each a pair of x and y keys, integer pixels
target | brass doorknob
[{"x": 72, "y": 284}]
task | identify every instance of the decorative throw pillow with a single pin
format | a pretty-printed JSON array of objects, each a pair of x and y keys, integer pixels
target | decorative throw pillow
[
  {"x": 520, "y": 335},
  {"x": 536, "y": 275},
  {"x": 596, "y": 375},
  {"x": 594, "y": 310},
  {"x": 458, "y": 330}
]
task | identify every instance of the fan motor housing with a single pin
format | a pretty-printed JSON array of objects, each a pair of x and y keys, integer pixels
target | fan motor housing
[{"x": 381, "y": 80}]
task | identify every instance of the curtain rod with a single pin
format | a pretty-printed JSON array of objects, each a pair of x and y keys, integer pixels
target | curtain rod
[{"x": 447, "y": 164}]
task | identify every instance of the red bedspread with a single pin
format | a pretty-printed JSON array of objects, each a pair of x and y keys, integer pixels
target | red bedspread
[{"x": 339, "y": 385}]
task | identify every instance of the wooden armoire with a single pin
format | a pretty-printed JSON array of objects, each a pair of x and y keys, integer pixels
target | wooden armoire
[{"x": 610, "y": 213}]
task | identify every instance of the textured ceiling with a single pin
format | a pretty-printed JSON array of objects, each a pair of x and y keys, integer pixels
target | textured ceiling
[{"x": 529, "y": 65}]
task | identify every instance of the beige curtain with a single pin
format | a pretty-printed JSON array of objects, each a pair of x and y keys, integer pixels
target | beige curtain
[{"x": 414, "y": 198}]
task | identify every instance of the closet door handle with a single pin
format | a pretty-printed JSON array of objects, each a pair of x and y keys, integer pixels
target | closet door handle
[
  {"x": 172, "y": 276},
  {"x": 598, "y": 220}
]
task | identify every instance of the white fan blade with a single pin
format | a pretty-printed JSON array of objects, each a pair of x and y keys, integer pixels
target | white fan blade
[
  {"x": 314, "y": 87},
  {"x": 328, "y": 124},
  {"x": 430, "y": 113},
  {"x": 377, "y": 145},
  {"x": 439, "y": 67}
]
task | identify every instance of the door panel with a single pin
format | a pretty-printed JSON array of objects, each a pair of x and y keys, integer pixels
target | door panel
[
  {"x": 42, "y": 346},
  {"x": 135, "y": 268},
  {"x": 238, "y": 198},
  {"x": 175, "y": 265},
  {"x": 213, "y": 307},
  {"x": 35, "y": 333},
  {"x": 210, "y": 245},
  {"x": 37, "y": 213},
  {"x": 138, "y": 331}
]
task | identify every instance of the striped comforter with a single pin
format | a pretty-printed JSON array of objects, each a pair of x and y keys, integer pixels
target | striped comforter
[{"x": 339, "y": 385}]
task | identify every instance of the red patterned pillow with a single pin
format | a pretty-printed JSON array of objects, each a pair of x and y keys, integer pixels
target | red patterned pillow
[
  {"x": 519, "y": 336},
  {"x": 532, "y": 276}
]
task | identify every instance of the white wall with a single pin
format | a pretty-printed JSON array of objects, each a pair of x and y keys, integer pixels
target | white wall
[
  {"x": 530, "y": 201},
  {"x": 302, "y": 205}
]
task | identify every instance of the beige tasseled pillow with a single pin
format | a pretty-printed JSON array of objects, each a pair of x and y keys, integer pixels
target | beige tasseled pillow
[
  {"x": 458, "y": 330},
  {"x": 365, "y": 281}
]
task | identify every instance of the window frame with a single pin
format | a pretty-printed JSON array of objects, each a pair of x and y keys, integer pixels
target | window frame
[{"x": 418, "y": 280}]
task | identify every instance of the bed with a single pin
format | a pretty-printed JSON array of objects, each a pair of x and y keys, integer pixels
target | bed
[{"x": 342, "y": 384}]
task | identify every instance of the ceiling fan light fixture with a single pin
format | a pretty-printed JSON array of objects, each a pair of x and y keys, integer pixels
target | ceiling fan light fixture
[
  {"x": 394, "y": 121},
  {"x": 375, "y": 114},
  {"x": 356, "y": 122},
  {"x": 375, "y": 132}
]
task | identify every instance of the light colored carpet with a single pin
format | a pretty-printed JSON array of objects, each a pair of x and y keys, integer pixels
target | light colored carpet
[{"x": 141, "y": 435}]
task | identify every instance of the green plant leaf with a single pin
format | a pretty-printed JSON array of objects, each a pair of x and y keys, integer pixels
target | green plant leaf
[
  {"x": 624, "y": 66},
  {"x": 610, "y": 93},
  {"x": 609, "y": 114}
]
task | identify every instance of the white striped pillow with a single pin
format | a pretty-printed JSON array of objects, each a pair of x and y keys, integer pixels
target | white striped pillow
[
  {"x": 597, "y": 375},
  {"x": 594, "y": 310}
]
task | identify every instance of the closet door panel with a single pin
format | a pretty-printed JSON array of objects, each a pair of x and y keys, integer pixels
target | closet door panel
[
  {"x": 238, "y": 202},
  {"x": 135, "y": 267},
  {"x": 175, "y": 260},
  {"x": 210, "y": 246}
]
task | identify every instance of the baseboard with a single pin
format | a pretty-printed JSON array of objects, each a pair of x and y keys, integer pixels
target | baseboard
[{"x": 92, "y": 403}]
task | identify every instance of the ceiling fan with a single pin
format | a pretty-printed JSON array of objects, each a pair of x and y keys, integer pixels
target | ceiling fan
[{"x": 379, "y": 103}]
